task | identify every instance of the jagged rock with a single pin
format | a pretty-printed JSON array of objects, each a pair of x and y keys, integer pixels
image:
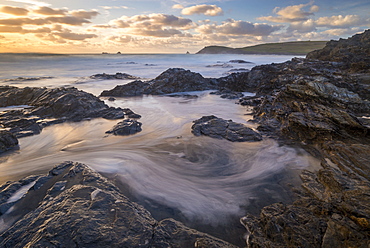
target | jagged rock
[
  {"x": 171, "y": 81},
  {"x": 354, "y": 52},
  {"x": 318, "y": 104},
  {"x": 58, "y": 104},
  {"x": 215, "y": 127},
  {"x": 118, "y": 75},
  {"x": 126, "y": 127},
  {"x": 74, "y": 206},
  {"x": 7, "y": 141},
  {"x": 135, "y": 88},
  {"x": 235, "y": 82}
]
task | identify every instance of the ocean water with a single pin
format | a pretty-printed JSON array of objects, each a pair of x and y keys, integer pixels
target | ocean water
[{"x": 206, "y": 183}]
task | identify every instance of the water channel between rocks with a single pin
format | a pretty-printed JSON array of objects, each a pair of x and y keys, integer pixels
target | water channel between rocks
[{"x": 206, "y": 183}]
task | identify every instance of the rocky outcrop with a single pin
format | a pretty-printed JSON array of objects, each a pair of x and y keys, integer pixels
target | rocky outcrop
[
  {"x": 353, "y": 52},
  {"x": 73, "y": 206},
  {"x": 50, "y": 106},
  {"x": 319, "y": 105},
  {"x": 171, "y": 81},
  {"x": 215, "y": 127},
  {"x": 126, "y": 127},
  {"x": 7, "y": 141}
]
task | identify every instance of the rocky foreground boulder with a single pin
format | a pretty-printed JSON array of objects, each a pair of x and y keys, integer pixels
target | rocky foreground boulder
[
  {"x": 45, "y": 106},
  {"x": 219, "y": 128},
  {"x": 73, "y": 206}
]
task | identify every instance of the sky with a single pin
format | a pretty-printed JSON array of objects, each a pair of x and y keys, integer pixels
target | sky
[{"x": 172, "y": 26}]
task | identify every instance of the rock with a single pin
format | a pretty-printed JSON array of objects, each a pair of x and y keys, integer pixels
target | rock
[
  {"x": 126, "y": 127},
  {"x": 118, "y": 75},
  {"x": 228, "y": 94},
  {"x": 51, "y": 106},
  {"x": 74, "y": 206},
  {"x": 239, "y": 61},
  {"x": 179, "y": 80},
  {"x": 135, "y": 88},
  {"x": 171, "y": 81},
  {"x": 215, "y": 127},
  {"x": 354, "y": 52},
  {"x": 235, "y": 82},
  {"x": 318, "y": 105},
  {"x": 7, "y": 141}
]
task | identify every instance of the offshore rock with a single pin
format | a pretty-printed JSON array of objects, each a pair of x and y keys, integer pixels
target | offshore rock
[
  {"x": 126, "y": 127},
  {"x": 73, "y": 206},
  {"x": 118, "y": 75},
  {"x": 51, "y": 106},
  {"x": 215, "y": 127},
  {"x": 7, "y": 141}
]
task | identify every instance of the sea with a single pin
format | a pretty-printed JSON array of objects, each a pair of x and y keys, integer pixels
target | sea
[{"x": 207, "y": 183}]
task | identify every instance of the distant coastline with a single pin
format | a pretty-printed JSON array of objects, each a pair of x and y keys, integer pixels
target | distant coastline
[{"x": 283, "y": 48}]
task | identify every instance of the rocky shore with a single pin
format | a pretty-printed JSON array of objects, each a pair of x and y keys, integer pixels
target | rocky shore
[{"x": 321, "y": 103}]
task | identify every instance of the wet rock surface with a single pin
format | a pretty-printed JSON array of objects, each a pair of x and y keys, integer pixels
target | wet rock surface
[
  {"x": 50, "y": 106},
  {"x": 73, "y": 206},
  {"x": 7, "y": 141},
  {"x": 319, "y": 105},
  {"x": 126, "y": 127},
  {"x": 219, "y": 128}
]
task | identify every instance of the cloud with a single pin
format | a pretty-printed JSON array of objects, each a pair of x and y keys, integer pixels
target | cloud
[
  {"x": 43, "y": 10},
  {"x": 294, "y": 13},
  {"x": 75, "y": 36},
  {"x": 209, "y": 10},
  {"x": 32, "y": 2},
  {"x": 232, "y": 27},
  {"x": 14, "y": 10},
  {"x": 342, "y": 21},
  {"x": 303, "y": 27},
  {"x": 83, "y": 14},
  {"x": 177, "y": 6},
  {"x": 156, "y": 22},
  {"x": 114, "y": 7}
]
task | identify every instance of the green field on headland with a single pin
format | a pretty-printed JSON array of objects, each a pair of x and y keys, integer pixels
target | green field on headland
[{"x": 286, "y": 48}]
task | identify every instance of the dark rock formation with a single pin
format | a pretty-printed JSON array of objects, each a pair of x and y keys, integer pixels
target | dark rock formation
[
  {"x": 126, "y": 127},
  {"x": 353, "y": 52},
  {"x": 7, "y": 141},
  {"x": 50, "y": 106},
  {"x": 74, "y": 206},
  {"x": 318, "y": 105},
  {"x": 171, "y": 81},
  {"x": 135, "y": 88},
  {"x": 215, "y": 127},
  {"x": 228, "y": 94},
  {"x": 239, "y": 61},
  {"x": 118, "y": 75}
]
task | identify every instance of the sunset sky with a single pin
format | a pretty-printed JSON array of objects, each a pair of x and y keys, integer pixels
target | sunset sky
[{"x": 165, "y": 26}]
